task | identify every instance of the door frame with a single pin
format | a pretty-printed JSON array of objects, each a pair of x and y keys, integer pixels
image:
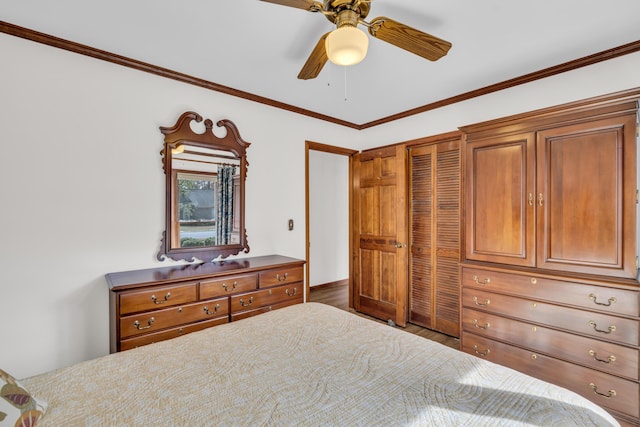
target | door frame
[{"x": 316, "y": 146}]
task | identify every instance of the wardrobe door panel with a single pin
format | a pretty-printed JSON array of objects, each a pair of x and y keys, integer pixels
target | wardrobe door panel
[
  {"x": 500, "y": 200},
  {"x": 585, "y": 198}
]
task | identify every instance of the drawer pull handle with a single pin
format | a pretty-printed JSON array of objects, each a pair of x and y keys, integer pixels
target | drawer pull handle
[
  {"x": 209, "y": 312},
  {"x": 166, "y": 298},
  {"x": 594, "y": 298},
  {"x": 149, "y": 323},
  {"x": 282, "y": 278},
  {"x": 608, "y": 395},
  {"x": 226, "y": 287},
  {"x": 485, "y": 326},
  {"x": 481, "y": 304},
  {"x": 481, "y": 353},
  {"x": 477, "y": 281},
  {"x": 609, "y": 359},
  {"x": 593, "y": 324},
  {"x": 289, "y": 293},
  {"x": 242, "y": 303}
]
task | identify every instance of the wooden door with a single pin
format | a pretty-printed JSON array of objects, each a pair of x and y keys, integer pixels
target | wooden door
[
  {"x": 380, "y": 236},
  {"x": 500, "y": 199},
  {"x": 434, "y": 224},
  {"x": 586, "y": 197}
]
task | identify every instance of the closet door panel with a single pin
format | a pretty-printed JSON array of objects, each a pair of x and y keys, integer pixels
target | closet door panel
[
  {"x": 380, "y": 234},
  {"x": 421, "y": 211},
  {"x": 435, "y": 236}
]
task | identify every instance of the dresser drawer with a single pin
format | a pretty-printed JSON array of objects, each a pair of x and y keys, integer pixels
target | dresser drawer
[
  {"x": 252, "y": 312},
  {"x": 601, "y": 326},
  {"x": 604, "y": 356},
  {"x": 227, "y": 285},
  {"x": 591, "y": 297},
  {"x": 159, "y": 297},
  {"x": 157, "y": 320},
  {"x": 605, "y": 390},
  {"x": 266, "y": 297},
  {"x": 281, "y": 276},
  {"x": 170, "y": 333}
]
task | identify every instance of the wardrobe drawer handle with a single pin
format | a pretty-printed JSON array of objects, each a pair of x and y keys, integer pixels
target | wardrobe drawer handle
[
  {"x": 481, "y": 353},
  {"x": 610, "y": 301},
  {"x": 477, "y": 281},
  {"x": 593, "y": 324},
  {"x": 485, "y": 326},
  {"x": 608, "y": 395},
  {"x": 609, "y": 359},
  {"x": 481, "y": 304}
]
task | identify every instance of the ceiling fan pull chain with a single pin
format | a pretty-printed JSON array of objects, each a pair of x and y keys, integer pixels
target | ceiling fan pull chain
[{"x": 345, "y": 83}]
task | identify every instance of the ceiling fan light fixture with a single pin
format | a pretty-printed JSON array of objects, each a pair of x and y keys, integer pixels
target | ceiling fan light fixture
[{"x": 346, "y": 45}]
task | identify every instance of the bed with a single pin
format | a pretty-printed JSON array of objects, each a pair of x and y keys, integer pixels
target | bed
[{"x": 305, "y": 365}]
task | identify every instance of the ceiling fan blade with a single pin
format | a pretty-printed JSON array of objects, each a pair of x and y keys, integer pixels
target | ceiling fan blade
[
  {"x": 316, "y": 61},
  {"x": 410, "y": 39},
  {"x": 299, "y": 4}
]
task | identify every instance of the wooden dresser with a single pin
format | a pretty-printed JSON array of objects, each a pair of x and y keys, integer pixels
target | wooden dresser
[
  {"x": 549, "y": 277},
  {"x": 157, "y": 304}
]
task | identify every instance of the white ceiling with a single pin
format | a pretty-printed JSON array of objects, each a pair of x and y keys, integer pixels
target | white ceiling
[{"x": 260, "y": 47}]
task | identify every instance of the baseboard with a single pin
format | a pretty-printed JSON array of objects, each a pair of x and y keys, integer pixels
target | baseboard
[{"x": 343, "y": 282}]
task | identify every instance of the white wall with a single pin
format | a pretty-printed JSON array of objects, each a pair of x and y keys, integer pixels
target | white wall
[
  {"x": 82, "y": 190},
  {"x": 82, "y": 184},
  {"x": 328, "y": 217},
  {"x": 602, "y": 78}
]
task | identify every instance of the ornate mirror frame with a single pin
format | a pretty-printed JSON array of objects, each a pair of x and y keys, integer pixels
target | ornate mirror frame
[{"x": 230, "y": 146}]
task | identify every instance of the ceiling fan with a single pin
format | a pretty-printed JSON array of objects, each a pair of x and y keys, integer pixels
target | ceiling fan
[{"x": 347, "y": 44}]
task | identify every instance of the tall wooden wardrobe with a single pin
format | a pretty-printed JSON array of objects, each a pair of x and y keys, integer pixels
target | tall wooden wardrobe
[{"x": 549, "y": 277}]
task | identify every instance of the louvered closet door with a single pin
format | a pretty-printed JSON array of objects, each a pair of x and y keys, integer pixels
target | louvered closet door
[{"x": 435, "y": 236}]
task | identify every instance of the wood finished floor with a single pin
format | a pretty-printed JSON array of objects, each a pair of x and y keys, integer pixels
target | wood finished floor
[{"x": 337, "y": 295}]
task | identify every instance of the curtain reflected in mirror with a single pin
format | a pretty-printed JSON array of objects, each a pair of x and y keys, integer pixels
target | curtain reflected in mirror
[{"x": 225, "y": 206}]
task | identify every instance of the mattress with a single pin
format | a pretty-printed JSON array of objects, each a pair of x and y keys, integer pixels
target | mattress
[{"x": 304, "y": 365}]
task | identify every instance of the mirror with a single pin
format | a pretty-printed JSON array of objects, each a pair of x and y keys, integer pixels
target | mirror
[{"x": 205, "y": 176}]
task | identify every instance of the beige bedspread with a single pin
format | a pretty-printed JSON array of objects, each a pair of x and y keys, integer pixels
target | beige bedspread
[{"x": 305, "y": 365}]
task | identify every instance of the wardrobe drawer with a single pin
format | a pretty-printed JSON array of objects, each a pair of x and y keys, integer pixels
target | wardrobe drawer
[
  {"x": 227, "y": 285},
  {"x": 281, "y": 276},
  {"x": 157, "y": 320},
  {"x": 591, "y": 297},
  {"x": 601, "y": 326},
  {"x": 157, "y": 297},
  {"x": 170, "y": 333},
  {"x": 266, "y": 297},
  {"x": 604, "y": 356},
  {"x": 605, "y": 390}
]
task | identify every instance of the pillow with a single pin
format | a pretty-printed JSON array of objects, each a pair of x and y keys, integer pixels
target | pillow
[{"x": 17, "y": 406}]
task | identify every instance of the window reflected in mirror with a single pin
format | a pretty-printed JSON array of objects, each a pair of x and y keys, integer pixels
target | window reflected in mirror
[{"x": 205, "y": 210}]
